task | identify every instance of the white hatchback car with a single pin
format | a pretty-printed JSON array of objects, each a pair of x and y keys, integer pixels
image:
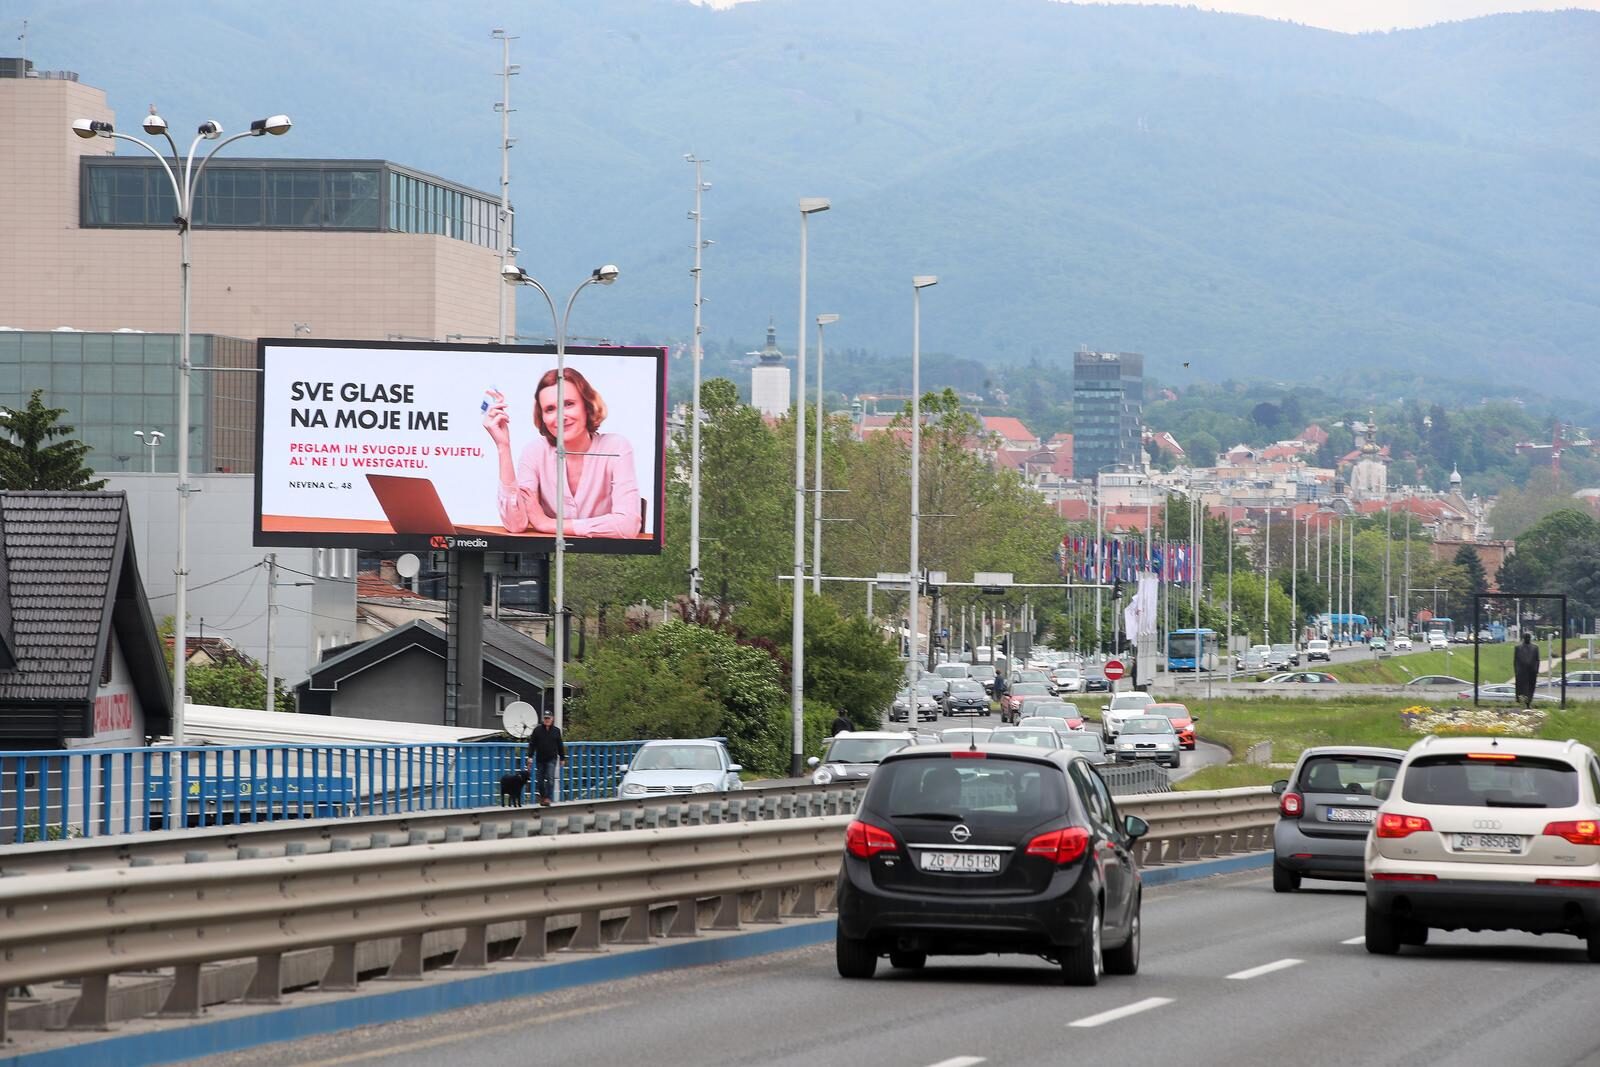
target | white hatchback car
[{"x": 1486, "y": 833}]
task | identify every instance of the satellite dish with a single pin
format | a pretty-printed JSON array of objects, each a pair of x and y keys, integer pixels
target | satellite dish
[
  {"x": 520, "y": 718},
  {"x": 408, "y": 565}
]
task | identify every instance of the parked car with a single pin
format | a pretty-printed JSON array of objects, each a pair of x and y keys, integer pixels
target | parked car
[
  {"x": 856, "y": 754},
  {"x": 675, "y": 766},
  {"x": 1282, "y": 657},
  {"x": 1325, "y": 809},
  {"x": 1297, "y": 677},
  {"x": 966, "y": 697},
  {"x": 1090, "y": 744},
  {"x": 1182, "y": 721},
  {"x": 1123, "y": 706},
  {"x": 1320, "y": 649},
  {"x": 1148, "y": 737},
  {"x": 1486, "y": 833},
  {"x": 1011, "y": 704},
  {"x": 1505, "y": 693},
  {"x": 1020, "y": 851},
  {"x": 1582, "y": 679},
  {"x": 1423, "y": 680},
  {"x": 1402, "y": 643}
]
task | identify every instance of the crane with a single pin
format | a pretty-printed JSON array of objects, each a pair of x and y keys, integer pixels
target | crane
[{"x": 1562, "y": 438}]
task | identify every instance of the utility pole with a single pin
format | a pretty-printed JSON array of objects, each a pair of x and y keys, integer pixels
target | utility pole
[
  {"x": 1388, "y": 569},
  {"x": 1266, "y": 584},
  {"x": 1294, "y": 580},
  {"x": 1408, "y": 577},
  {"x": 694, "y": 413},
  {"x": 507, "y": 70},
  {"x": 272, "y": 623}
]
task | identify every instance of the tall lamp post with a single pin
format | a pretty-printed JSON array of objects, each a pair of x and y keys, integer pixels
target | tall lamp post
[
  {"x": 816, "y": 507},
  {"x": 694, "y": 407},
  {"x": 515, "y": 275},
  {"x": 919, "y": 282},
  {"x": 809, "y": 205},
  {"x": 185, "y": 182},
  {"x": 151, "y": 441}
]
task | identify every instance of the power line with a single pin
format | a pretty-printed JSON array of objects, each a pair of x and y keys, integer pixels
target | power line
[{"x": 214, "y": 581}]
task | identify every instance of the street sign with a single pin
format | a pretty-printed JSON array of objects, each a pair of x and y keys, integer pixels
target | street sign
[
  {"x": 1113, "y": 670},
  {"x": 891, "y": 582},
  {"x": 992, "y": 578}
]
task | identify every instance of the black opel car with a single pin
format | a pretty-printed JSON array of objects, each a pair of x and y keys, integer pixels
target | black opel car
[{"x": 967, "y": 851}]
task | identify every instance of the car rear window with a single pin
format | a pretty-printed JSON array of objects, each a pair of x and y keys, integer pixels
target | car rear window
[
  {"x": 864, "y": 749},
  {"x": 1519, "y": 782},
  {"x": 1345, "y": 774},
  {"x": 940, "y": 786}
]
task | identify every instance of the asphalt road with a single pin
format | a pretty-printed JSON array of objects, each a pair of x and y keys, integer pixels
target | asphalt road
[{"x": 1232, "y": 974}]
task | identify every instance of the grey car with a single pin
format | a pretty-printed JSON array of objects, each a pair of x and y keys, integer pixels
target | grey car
[
  {"x": 966, "y": 697},
  {"x": 1090, "y": 744},
  {"x": 1325, "y": 810},
  {"x": 680, "y": 767}
]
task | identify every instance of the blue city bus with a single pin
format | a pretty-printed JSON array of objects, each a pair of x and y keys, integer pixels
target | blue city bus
[
  {"x": 1192, "y": 650},
  {"x": 1342, "y": 626},
  {"x": 1441, "y": 625}
]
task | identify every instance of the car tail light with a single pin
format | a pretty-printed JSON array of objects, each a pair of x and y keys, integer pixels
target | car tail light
[
  {"x": 1569, "y": 883},
  {"x": 1291, "y": 806},
  {"x": 1060, "y": 846},
  {"x": 864, "y": 840},
  {"x": 1401, "y": 825},
  {"x": 1581, "y": 832},
  {"x": 1492, "y": 755},
  {"x": 1398, "y": 876},
  {"x": 969, "y": 753}
]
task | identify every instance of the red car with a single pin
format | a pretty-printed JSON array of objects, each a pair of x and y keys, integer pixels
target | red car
[
  {"x": 1182, "y": 721},
  {"x": 1011, "y": 705}
]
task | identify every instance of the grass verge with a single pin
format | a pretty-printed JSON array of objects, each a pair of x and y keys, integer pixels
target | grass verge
[{"x": 1494, "y": 666}]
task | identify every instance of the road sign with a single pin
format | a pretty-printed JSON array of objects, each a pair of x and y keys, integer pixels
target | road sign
[
  {"x": 892, "y": 582},
  {"x": 1113, "y": 670},
  {"x": 992, "y": 578}
]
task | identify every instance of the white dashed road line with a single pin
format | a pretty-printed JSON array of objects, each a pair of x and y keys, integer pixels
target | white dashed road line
[
  {"x": 1121, "y": 1013},
  {"x": 1265, "y": 968},
  {"x": 960, "y": 1061},
  {"x": 1362, "y": 940}
]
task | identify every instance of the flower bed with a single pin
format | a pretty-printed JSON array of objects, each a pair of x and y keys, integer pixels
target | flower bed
[{"x": 1422, "y": 719}]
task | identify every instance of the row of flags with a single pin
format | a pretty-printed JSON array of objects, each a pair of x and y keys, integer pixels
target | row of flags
[{"x": 1109, "y": 559}]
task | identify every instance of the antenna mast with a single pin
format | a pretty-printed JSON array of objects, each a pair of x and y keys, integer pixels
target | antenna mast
[{"x": 507, "y": 69}]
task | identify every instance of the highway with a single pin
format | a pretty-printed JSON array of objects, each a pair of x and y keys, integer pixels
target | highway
[{"x": 1232, "y": 974}]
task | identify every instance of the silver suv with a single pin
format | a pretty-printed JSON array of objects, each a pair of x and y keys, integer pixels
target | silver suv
[{"x": 1487, "y": 833}]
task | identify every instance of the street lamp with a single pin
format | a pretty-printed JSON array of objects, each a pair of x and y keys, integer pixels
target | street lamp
[
  {"x": 150, "y": 440},
  {"x": 515, "y": 275},
  {"x": 816, "y": 508},
  {"x": 919, "y": 282},
  {"x": 184, "y": 184},
  {"x": 809, "y": 205},
  {"x": 694, "y": 426}
]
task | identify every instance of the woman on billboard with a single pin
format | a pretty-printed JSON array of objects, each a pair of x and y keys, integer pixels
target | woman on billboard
[{"x": 602, "y": 490}]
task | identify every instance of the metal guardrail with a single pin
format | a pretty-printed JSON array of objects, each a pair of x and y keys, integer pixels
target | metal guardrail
[
  {"x": 75, "y": 793},
  {"x": 1133, "y": 779},
  {"x": 308, "y": 837},
  {"x": 647, "y": 883}
]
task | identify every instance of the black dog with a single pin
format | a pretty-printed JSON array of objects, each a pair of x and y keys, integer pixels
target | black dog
[{"x": 512, "y": 786}]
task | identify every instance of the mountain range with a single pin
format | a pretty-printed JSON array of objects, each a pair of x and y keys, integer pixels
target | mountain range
[{"x": 1250, "y": 197}]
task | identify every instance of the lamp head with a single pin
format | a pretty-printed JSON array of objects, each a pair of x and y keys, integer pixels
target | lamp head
[
  {"x": 210, "y": 129},
  {"x": 827, "y": 320},
  {"x": 277, "y": 125},
  {"x": 512, "y": 274},
  {"x": 810, "y": 205},
  {"x": 154, "y": 124},
  {"x": 607, "y": 274},
  {"x": 922, "y": 281},
  {"x": 87, "y": 128}
]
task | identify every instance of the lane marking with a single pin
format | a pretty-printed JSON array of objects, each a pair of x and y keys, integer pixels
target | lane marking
[
  {"x": 1265, "y": 968},
  {"x": 1362, "y": 940},
  {"x": 1121, "y": 1013},
  {"x": 482, "y": 1031},
  {"x": 960, "y": 1061}
]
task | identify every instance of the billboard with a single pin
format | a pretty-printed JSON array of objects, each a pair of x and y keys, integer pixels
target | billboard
[{"x": 407, "y": 445}]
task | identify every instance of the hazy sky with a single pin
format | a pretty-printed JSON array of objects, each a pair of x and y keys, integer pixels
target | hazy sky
[{"x": 1353, "y": 16}]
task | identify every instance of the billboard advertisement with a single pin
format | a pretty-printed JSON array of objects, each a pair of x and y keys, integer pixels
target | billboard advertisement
[{"x": 410, "y": 445}]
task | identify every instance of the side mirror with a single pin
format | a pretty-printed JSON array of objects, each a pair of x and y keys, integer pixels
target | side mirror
[
  {"x": 1280, "y": 787},
  {"x": 812, "y": 761},
  {"x": 1134, "y": 826},
  {"x": 1105, "y": 707},
  {"x": 1382, "y": 788},
  {"x": 735, "y": 768}
]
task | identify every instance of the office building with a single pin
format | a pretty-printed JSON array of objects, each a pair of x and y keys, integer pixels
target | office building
[{"x": 1107, "y": 410}]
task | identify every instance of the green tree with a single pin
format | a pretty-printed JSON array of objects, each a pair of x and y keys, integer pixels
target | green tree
[
  {"x": 1468, "y": 560},
  {"x": 234, "y": 684},
  {"x": 38, "y": 451}
]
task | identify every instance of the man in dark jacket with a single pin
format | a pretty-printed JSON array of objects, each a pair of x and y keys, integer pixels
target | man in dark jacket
[
  {"x": 1525, "y": 664},
  {"x": 840, "y": 724},
  {"x": 546, "y": 751}
]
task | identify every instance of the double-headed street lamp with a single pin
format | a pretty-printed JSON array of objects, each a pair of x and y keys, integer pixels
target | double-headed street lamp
[
  {"x": 809, "y": 205},
  {"x": 151, "y": 441},
  {"x": 816, "y": 508},
  {"x": 919, "y": 282},
  {"x": 515, "y": 275},
  {"x": 185, "y": 182}
]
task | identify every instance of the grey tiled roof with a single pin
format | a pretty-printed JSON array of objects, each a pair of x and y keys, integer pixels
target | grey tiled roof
[{"x": 59, "y": 556}]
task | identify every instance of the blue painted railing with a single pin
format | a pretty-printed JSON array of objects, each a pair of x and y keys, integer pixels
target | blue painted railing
[{"x": 96, "y": 792}]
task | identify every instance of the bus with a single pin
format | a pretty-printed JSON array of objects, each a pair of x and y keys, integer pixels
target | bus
[
  {"x": 1441, "y": 625},
  {"x": 1192, "y": 650}
]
